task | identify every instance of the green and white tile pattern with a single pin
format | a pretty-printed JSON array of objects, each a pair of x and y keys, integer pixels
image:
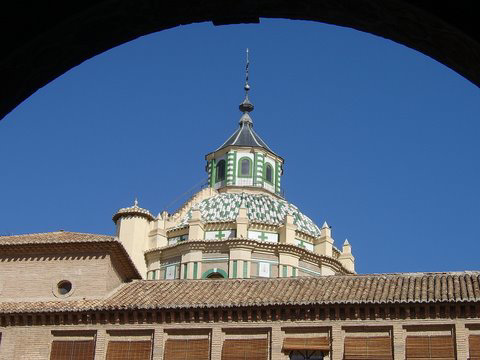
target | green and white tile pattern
[{"x": 261, "y": 208}]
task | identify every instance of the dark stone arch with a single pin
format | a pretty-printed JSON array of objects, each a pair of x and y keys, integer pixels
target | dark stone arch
[{"x": 47, "y": 39}]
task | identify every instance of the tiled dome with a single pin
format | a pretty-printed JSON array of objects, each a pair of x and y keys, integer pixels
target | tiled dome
[{"x": 261, "y": 208}]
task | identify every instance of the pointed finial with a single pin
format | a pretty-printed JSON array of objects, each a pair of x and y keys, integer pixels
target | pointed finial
[
  {"x": 247, "y": 87},
  {"x": 325, "y": 225},
  {"x": 135, "y": 203},
  {"x": 246, "y": 106},
  {"x": 346, "y": 242}
]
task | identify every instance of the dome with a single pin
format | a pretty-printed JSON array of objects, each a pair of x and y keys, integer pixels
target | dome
[{"x": 261, "y": 208}]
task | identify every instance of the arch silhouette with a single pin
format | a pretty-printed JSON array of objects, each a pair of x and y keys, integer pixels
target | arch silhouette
[
  {"x": 207, "y": 274},
  {"x": 42, "y": 42}
]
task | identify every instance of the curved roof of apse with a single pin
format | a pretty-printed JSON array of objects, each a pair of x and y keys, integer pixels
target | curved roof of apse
[{"x": 261, "y": 208}]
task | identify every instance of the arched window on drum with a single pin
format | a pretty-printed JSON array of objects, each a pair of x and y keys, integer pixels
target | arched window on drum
[
  {"x": 268, "y": 173},
  {"x": 220, "y": 171},
  {"x": 245, "y": 167}
]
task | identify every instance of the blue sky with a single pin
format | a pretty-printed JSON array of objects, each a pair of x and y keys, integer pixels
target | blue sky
[{"x": 378, "y": 140}]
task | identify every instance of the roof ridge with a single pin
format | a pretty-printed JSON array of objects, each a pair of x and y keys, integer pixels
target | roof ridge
[
  {"x": 313, "y": 278},
  {"x": 57, "y": 232}
]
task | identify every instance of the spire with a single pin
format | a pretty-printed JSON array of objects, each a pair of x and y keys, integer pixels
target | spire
[
  {"x": 246, "y": 106},
  {"x": 135, "y": 203}
]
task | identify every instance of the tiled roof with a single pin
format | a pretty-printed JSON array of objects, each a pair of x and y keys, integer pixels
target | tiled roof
[
  {"x": 261, "y": 208},
  {"x": 337, "y": 289},
  {"x": 134, "y": 210},
  {"x": 53, "y": 237},
  {"x": 245, "y": 136},
  {"x": 73, "y": 242}
]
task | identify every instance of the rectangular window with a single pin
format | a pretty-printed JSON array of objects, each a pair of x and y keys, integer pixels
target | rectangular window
[
  {"x": 126, "y": 350},
  {"x": 73, "y": 344},
  {"x": 294, "y": 271},
  {"x": 187, "y": 349},
  {"x": 245, "y": 269},
  {"x": 284, "y": 270},
  {"x": 234, "y": 270},
  {"x": 321, "y": 343},
  {"x": 129, "y": 344},
  {"x": 430, "y": 347},
  {"x": 195, "y": 269},
  {"x": 474, "y": 346},
  {"x": 375, "y": 347},
  {"x": 75, "y": 349},
  {"x": 170, "y": 272},
  {"x": 177, "y": 239},
  {"x": 264, "y": 269},
  {"x": 252, "y": 349}
]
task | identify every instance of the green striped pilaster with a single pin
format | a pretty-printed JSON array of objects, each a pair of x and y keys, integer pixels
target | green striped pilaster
[
  {"x": 278, "y": 171},
  {"x": 185, "y": 271},
  {"x": 258, "y": 169},
  {"x": 195, "y": 269},
  {"x": 230, "y": 168},
  {"x": 211, "y": 172},
  {"x": 235, "y": 266},
  {"x": 234, "y": 168}
]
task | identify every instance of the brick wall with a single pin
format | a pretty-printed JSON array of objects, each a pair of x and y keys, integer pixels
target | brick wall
[
  {"x": 35, "y": 277},
  {"x": 33, "y": 342}
]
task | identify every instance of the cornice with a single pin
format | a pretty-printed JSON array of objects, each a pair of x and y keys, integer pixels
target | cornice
[{"x": 275, "y": 248}]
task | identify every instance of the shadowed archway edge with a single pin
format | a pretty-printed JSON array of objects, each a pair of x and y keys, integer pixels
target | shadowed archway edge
[{"x": 42, "y": 42}]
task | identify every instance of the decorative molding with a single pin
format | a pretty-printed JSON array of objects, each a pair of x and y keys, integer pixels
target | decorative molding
[{"x": 274, "y": 248}]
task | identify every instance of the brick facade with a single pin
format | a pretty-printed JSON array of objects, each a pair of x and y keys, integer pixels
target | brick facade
[{"x": 34, "y": 341}]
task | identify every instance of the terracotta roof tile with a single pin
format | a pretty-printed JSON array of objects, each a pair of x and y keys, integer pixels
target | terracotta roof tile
[
  {"x": 53, "y": 237},
  {"x": 338, "y": 289},
  {"x": 73, "y": 242}
]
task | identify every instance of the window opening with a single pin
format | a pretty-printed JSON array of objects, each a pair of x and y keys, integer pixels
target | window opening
[
  {"x": 215, "y": 275},
  {"x": 64, "y": 287},
  {"x": 245, "y": 167},
  {"x": 306, "y": 355},
  {"x": 221, "y": 170},
  {"x": 269, "y": 173}
]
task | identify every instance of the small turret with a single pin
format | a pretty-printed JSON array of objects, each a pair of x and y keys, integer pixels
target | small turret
[
  {"x": 133, "y": 225},
  {"x": 323, "y": 245},
  {"x": 346, "y": 258}
]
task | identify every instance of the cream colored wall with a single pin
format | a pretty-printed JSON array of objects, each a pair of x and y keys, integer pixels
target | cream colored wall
[
  {"x": 240, "y": 255},
  {"x": 133, "y": 234},
  {"x": 190, "y": 258}
]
